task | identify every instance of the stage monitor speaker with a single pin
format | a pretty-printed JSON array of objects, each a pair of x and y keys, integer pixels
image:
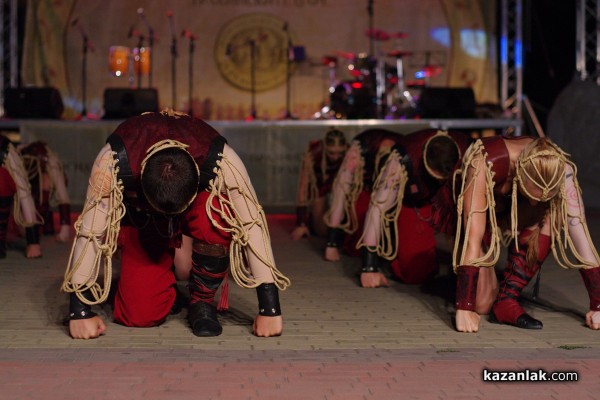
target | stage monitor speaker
[
  {"x": 32, "y": 102},
  {"x": 124, "y": 103},
  {"x": 437, "y": 102}
]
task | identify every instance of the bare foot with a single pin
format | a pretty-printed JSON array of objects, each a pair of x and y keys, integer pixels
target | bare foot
[
  {"x": 332, "y": 254},
  {"x": 373, "y": 280}
]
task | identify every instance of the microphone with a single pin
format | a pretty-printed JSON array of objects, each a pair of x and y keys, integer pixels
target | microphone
[
  {"x": 187, "y": 34},
  {"x": 142, "y": 16},
  {"x": 171, "y": 24},
  {"x": 76, "y": 23},
  {"x": 134, "y": 33}
]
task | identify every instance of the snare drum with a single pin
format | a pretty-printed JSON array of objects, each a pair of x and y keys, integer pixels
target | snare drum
[
  {"x": 118, "y": 60},
  {"x": 141, "y": 60}
]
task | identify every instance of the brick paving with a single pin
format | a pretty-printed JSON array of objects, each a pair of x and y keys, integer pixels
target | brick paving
[{"x": 340, "y": 341}]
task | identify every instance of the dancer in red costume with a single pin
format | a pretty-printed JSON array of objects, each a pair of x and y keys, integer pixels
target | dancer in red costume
[
  {"x": 320, "y": 165},
  {"x": 352, "y": 188},
  {"x": 170, "y": 193},
  {"x": 15, "y": 193},
  {"x": 398, "y": 225},
  {"x": 48, "y": 183},
  {"x": 526, "y": 188}
]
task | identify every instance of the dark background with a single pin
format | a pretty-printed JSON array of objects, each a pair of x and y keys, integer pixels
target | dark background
[{"x": 549, "y": 51}]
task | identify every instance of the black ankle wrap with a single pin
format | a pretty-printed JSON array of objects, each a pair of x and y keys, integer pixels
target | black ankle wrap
[
  {"x": 32, "y": 235},
  {"x": 370, "y": 261},
  {"x": 335, "y": 237},
  {"x": 78, "y": 309},
  {"x": 268, "y": 300}
]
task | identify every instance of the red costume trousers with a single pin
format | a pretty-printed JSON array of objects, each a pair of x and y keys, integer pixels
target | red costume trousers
[
  {"x": 417, "y": 258},
  {"x": 146, "y": 289}
]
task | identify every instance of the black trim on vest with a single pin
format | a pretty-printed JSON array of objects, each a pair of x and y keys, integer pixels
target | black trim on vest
[
  {"x": 3, "y": 150},
  {"x": 124, "y": 174},
  {"x": 206, "y": 171}
]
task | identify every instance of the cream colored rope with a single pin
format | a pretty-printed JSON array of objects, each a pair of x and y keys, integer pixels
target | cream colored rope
[
  {"x": 476, "y": 159},
  {"x": 33, "y": 168},
  {"x": 102, "y": 240},
  {"x": 14, "y": 164},
  {"x": 387, "y": 184},
  {"x": 238, "y": 227},
  {"x": 307, "y": 182},
  {"x": 348, "y": 183}
]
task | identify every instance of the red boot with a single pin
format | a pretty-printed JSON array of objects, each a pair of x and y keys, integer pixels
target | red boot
[
  {"x": 591, "y": 279},
  {"x": 517, "y": 275}
]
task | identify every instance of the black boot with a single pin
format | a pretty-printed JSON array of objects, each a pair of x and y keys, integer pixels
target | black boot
[
  {"x": 5, "y": 203},
  {"x": 208, "y": 272}
]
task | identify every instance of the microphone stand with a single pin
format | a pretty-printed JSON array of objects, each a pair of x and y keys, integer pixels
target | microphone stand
[
  {"x": 151, "y": 38},
  {"x": 288, "y": 113},
  {"x": 191, "y": 74},
  {"x": 87, "y": 45},
  {"x": 84, "y": 76},
  {"x": 252, "y": 44},
  {"x": 173, "y": 64},
  {"x": 151, "y": 50}
]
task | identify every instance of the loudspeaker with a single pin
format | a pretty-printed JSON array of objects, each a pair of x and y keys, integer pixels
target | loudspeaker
[
  {"x": 33, "y": 102},
  {"x": 124, "y": 103},
  {"x": 447, "y": 103}
]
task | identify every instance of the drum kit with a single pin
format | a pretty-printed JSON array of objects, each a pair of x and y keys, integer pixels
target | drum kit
[
  {"x": 129, "y": 62},
  {"x": 376, "y": 88}
]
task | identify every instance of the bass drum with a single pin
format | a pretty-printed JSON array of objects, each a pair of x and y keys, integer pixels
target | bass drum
[{"x": 353, "y": 100}]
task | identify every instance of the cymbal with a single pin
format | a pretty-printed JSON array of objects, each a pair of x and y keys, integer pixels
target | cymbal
[
  {"x": 399, "y": 53},
  {"x": 399, "y": 35},
  {"x": 378, "y": 34},
  {"x": 345, "y": 54}
]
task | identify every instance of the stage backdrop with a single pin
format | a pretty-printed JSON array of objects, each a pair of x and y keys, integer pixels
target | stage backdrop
[{"x": 454, "y": 35}]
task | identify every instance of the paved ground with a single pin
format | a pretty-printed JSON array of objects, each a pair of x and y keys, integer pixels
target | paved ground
[{"x": 339, "y": 342}]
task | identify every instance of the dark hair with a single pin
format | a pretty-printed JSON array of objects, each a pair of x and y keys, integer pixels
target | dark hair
[
  {"x": 335, "y": 137},
  {"x": 442, "y": 155},
  {"x": 170, "y": 180}
]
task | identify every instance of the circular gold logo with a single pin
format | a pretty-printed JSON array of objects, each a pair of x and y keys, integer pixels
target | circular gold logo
[{"x": 262, "y": 35}]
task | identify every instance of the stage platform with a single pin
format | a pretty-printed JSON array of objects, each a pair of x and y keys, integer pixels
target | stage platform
[{"x": 271, "y": 150}]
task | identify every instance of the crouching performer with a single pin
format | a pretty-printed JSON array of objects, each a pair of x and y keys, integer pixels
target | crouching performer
[
  {"x": 526, "y": 187},
  {"x": 352, "y": 189},
  {"x": 15, "y": 193},
  {"x": 177, "y": 201},
  {"x": 48, "y": 183},
  {"x": 398, "y": 225}
]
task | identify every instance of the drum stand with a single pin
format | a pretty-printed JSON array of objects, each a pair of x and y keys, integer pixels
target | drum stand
[
  {"x": 138, "y": 72},
  {"x": 402, "y": 94}
]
